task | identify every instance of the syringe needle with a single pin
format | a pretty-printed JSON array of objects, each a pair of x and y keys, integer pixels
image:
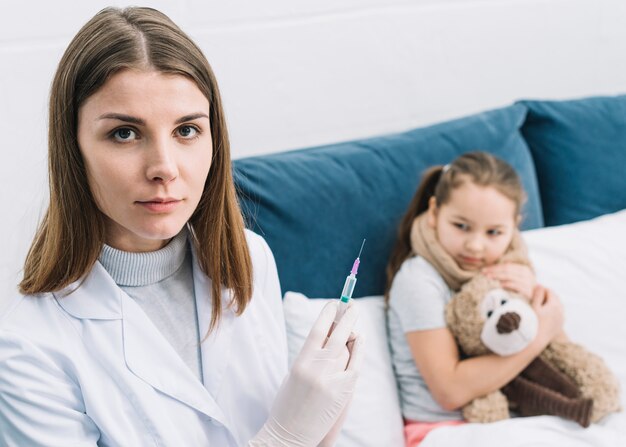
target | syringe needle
[{"x": 361, "y": 248}]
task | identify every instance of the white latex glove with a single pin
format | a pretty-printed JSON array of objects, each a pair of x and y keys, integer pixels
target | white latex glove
[
  {"x": 316, "y": 391},
  {"x": 331, "y": 438}
]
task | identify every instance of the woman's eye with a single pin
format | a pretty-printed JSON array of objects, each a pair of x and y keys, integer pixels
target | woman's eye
[
  {"x": 124, "y": 134},
  {"x": 187, "y": 131}
]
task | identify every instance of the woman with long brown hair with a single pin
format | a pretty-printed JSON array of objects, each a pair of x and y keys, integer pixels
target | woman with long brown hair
[{"x": 148, "y": 315}]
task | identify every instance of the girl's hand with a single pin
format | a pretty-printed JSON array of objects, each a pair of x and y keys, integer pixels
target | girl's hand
[
  {"x": 550, "y": 313},
  {"x": 518, "y": 278}
]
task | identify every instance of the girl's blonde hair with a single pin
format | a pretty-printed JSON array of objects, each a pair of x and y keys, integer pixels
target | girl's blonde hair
[
  {"x": 72, "y": 232},
  {"x": 480, "y": 168}
]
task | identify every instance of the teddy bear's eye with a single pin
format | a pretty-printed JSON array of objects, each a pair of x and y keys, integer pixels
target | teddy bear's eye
[
  {"x": 490, "y": 313},
  {"x": 503, "y": 302}
]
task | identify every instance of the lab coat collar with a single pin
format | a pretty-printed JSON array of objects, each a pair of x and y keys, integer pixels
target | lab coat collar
[
  {"x": 160, "y": 366},
  {"x": 147, "y": 353},
  {"x": 216, "y": 347},
  {"x": 95, "y": 297},
  {"x": 151, "y": 358}
]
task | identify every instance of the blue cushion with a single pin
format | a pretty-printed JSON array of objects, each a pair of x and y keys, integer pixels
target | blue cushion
[
  {"x": 315, "y": 206},
  {"x": 579, "y": 150}
]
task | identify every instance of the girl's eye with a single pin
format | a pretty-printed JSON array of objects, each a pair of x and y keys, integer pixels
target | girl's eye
[
  {"x": 124, "y": 134},
  {"x": 461, "y": 226},
  {"x": 188, "y": 131},
  {"x": 494, "y": 232}
]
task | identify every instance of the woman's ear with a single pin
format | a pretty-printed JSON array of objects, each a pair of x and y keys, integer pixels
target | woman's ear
[{"x": 431, "y": 213}]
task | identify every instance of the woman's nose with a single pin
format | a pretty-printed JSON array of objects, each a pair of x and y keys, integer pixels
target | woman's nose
[{"x": 161, "y": 165}]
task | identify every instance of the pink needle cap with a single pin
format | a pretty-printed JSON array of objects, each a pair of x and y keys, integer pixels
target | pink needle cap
[{"x": 357, "y": 261}]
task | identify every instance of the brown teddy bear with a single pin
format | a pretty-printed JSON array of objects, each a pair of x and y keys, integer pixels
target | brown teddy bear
[{"x": 565, "y": 380}]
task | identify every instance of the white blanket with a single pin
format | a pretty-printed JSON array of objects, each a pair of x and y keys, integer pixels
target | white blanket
[{"x": 530, "y": 432}]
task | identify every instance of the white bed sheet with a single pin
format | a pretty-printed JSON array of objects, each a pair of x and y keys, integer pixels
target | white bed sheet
[
  {"x": 537, "y": 431},
  {"x": 585, "y": 263}
]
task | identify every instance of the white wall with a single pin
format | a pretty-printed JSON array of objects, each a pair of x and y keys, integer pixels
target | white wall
[{"x": 301, "y": 73}]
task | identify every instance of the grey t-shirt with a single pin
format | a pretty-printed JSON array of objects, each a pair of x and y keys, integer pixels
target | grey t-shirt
[{"x": 417, "y": 301}]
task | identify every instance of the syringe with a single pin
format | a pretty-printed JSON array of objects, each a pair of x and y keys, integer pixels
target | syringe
[{"x": 348, "y": 288}]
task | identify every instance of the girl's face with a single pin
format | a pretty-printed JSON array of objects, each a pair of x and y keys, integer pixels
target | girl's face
[
  {"x": 475, "y": 226},
  {"x": 146, "y": 141}
]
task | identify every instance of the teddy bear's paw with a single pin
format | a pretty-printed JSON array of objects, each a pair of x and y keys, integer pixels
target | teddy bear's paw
[
  {"x": 490, "y": 408},
  {"x": 605, "y": 395}
]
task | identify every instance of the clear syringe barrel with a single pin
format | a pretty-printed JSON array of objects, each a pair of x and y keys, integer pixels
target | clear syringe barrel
[{"x": 348, "y": 288}]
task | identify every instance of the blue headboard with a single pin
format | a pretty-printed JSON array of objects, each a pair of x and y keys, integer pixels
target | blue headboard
[
  {"x": 315, "y": 206},
  {"x": 579, "y": 150}
]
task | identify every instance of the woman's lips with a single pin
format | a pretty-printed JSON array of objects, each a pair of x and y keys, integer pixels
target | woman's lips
[{"x": 165, "y": 206}]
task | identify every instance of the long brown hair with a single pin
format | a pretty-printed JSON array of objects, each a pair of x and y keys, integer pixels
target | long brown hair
[
  {"x": 72, "y": 232},
  {"x": 480, "y": 168}
]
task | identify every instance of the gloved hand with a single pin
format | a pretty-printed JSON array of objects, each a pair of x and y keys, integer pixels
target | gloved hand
[
  {"x": 330, "y": 438},
  {"x": 316, "y": 391}
]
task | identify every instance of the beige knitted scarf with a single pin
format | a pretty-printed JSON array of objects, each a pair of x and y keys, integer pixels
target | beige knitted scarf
[{"x": 424, "y": 243}]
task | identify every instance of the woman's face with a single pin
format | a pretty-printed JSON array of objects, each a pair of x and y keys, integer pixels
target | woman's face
[{"x": 146, "y": 141}]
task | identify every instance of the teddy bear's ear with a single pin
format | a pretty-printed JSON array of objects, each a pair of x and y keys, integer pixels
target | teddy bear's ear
[
  {"x": 479, "y": 285},
  {"x": 458, "y": 314}
]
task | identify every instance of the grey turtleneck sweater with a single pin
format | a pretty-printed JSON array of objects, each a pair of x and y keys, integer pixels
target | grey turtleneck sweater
[{"x": 161, "y": 282}]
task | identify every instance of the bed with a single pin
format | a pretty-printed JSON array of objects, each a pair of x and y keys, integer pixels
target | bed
[{"x": 315, "y": 205}]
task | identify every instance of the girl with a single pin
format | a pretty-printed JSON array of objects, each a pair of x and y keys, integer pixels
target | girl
[
  {"x": 149, "y": 315},
  {"x": 461, "y": 221}
]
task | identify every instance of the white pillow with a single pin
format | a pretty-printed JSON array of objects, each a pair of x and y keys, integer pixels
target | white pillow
[
  {"x": 374, "y": 418},
  {"x": 585, "y": 264}
]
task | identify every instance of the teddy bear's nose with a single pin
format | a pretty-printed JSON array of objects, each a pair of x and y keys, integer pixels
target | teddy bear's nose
[{"x": 508, "y": 322}]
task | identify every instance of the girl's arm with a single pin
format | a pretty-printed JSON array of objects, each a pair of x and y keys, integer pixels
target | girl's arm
[{"x": 454, "y": 382}]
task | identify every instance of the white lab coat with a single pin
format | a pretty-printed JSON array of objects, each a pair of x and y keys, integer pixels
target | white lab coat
[{"x": 91, "y": 368}]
